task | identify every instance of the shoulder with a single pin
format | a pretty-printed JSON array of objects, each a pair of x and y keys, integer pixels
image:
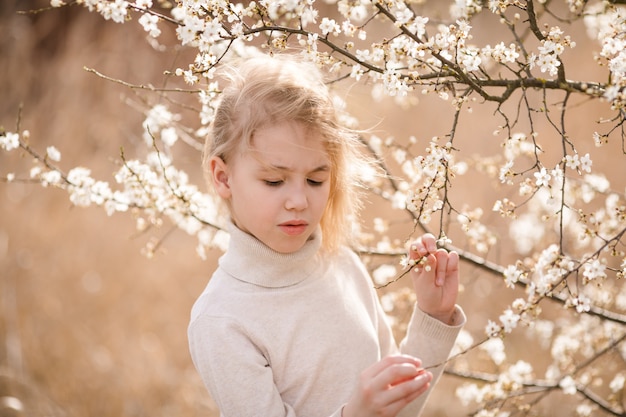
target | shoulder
[
  {"x": 218, "y": 298},
  {"x": 347, "y": 266},
  {"x": 219, "y": 312},
  {"x": 346, "y": 256}
]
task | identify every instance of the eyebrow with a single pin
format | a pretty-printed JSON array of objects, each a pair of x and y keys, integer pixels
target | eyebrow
[{"x": 321, "y": 168}]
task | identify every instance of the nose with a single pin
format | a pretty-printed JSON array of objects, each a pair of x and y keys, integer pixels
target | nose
[{"x": 296, "y": 198}]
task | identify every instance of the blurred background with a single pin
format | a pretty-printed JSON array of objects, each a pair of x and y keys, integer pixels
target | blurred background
[{"x": 88, "y": 326}]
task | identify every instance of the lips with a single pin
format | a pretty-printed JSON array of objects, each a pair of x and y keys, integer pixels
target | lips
[{"x": 293, "y": 228}]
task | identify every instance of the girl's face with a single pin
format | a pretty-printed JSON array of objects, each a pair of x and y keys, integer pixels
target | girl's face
[{"x": 278, "y": 189}]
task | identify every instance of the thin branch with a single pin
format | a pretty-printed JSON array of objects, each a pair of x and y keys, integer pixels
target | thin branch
[{"x": 142, "y": 86}]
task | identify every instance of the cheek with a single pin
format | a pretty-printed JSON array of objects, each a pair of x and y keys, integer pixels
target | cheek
[
  {"x": 255, "y": 201},
  {"x": 323, "y": 198}
]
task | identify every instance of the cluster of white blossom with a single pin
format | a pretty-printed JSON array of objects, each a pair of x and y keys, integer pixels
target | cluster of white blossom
[
  {"x": 552, "y": 47},
  {"x": 427, "y": 175},
  {"x": 152, "y": 190},
  {"x": 607, "y": 23},
  {"x": 215, "y": 27},
  {"x": 509, "y": 382},
  {"x": 478, "y": 234},
  {"x": 566, "y": 341}
]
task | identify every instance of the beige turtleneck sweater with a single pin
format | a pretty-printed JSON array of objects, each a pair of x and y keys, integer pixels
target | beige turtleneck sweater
[{"x": 286, "y": 335}]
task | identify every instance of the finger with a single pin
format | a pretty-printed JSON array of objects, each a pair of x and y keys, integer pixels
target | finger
[
  {"x": 423, "y": 246},
  {"x": 430, "y": 242},
  {"x": 417, "y": 250},
  {"x": 442, "y": 267},
  {"x": 396, "y": 374},
  {"x": 453, "y": 262},
  {"x": 401, "y": 394},
  {"x": 425, "y": 269},
  {"x": 396, "y": 406},
  {"x": 375, "y": 369}
]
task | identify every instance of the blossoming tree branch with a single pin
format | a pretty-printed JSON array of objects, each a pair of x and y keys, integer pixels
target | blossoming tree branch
[{"x": 559, "y": 212}]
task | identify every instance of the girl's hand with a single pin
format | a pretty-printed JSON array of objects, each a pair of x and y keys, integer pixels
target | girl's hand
[
  {"x": 388, "y": 386},
  {"x": 436, "y": 279}
]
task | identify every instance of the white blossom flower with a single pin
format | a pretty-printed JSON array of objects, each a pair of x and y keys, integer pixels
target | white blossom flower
[
  {"x": 594, "y": 270},
  {"x": 581, "y": 303},
  {"x": 501, "y": 53},
  {"x": 402, "y": 14},
  {"x": 149, "y": 23},
  {"x": 362, "y": 55},
  {"x": 464, "y": 9},
  {"x": 418, "y": 26},
  {"x": 80, "y": 184},
  {"x": 509, "y": 320},
  {"x": 572, "y": 161},
  {"x": 585, "y": 163},
  {"x": 598, "y": 182},
  {"x": 116, "y": 10},
  {"x": 51, "y": 177},
  {"x": 511, "y": 275},
  {"x": 187, "y": 32},
  {"x": 584, "y": 410},
  {"x": 463, "y": 342},
  {"x": 568, "y": 385},
  {"x": 188, "y": 75},
  {"x": 563, "y": 346},
  {"x": 384, "y": 274},
  {"x": 357, "y": 72},
  {"x": 9, "y": 141},
  {"x": 329, "y": 26},
  {"x": 544, "y": 330},
  {"x": 492, "y": 329},
  {"x": 468, "y": 393},
  {"x": 495, "y": 349},
  {"x": 527, "y": 231},
  {"x": 348, "y": 28},
  {"x": 53, "y": 154},
  {"x": 525, "y": 188},
  {"x": 542, "y": 178},
  {"x": 617, "y": 383}
]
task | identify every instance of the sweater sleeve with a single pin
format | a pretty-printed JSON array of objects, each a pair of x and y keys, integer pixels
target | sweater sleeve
[
  {"x": 235, "y": 371},
  {"x": 431, "y": 341}
]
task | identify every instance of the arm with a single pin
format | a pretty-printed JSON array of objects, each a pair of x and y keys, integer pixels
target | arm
[
  {"x": 233, "y": 369},
  {"x": 437, "y": 319},
  {"x": 397, "y": 380}
]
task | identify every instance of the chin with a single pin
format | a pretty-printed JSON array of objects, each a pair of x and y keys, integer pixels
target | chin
[{"x": 291, "y": 247}]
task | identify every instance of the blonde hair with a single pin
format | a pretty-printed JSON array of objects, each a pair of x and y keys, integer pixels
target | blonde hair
[{"x": 269, "y": 90}]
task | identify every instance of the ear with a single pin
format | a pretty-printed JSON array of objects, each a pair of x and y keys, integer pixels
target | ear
[{"x": 220, "y": 174}]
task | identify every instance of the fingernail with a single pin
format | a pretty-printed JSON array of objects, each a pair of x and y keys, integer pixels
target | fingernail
[{"x": 422, "y": 377}]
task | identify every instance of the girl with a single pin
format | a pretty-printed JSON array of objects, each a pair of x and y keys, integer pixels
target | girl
[{"x": 290, "y": 324}]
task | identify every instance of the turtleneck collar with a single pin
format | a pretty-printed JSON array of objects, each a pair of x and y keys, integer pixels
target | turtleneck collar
[{"x": 250, "y": 260}]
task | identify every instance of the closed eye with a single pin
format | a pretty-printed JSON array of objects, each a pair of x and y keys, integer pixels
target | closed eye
[
  {"x": 271, "y": 183},
  {"x": 314, "y": 183}
]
